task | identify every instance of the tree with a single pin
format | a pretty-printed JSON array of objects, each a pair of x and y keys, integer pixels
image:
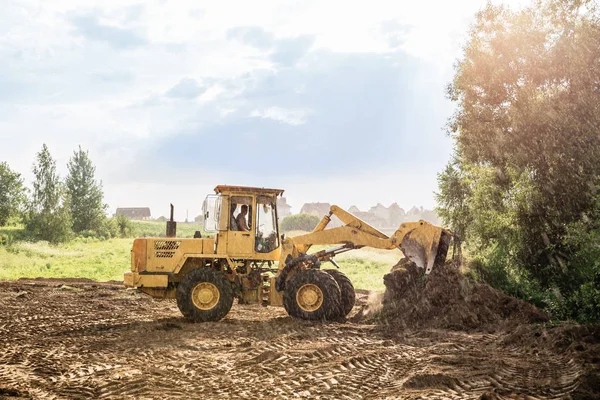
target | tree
[
  {"x": 452, "y": 203},
  {"x": 299, "y": 222},
  {"x": 527, "y": 136},
  {"x": 87, "y": 207},
  {"x": 12, "y": 194},
  {"x": 48, "y": 216}
]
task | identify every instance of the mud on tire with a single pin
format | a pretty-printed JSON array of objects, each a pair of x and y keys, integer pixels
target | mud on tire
[
  {"x": 308, "y": 285},
  {"x": 346, "y": 288},
  {"x": 204, "y": 295}
]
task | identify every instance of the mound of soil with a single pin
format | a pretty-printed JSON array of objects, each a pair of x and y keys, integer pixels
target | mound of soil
[{"x": 448, "y": 300}]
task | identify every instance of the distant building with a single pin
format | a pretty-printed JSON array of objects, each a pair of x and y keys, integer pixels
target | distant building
[
  {"x": 381, "y": 212},
  {"x": 371, "y": 219},
  {"x": 319, "y": 209},
  {"x": 378, "y": 216},
  {"x": 415, "y": 212},
  {"x": 353, "y": 210},
  {"x": 396, "y": 215},
  {"x": 139, "y": 213},
  {"x": 283, "y": 208}
]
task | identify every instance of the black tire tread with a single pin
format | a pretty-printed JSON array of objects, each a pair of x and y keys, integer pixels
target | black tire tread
[
  {"x": 330, "y": 309},
  {"x": 184, "y": 295},
  {"x": 346, "y": 288}
]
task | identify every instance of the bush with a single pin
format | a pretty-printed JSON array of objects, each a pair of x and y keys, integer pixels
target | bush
[
  {"x": 53, "y": 227},
  {"x": 124, "y": 226},
  {"x": 299, "y": 222},
  {"x": 108, "y": 229}
]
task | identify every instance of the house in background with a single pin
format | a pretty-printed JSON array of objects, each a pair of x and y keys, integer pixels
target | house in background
[
  {"x": 353, "y": 210},
  {"x": 378, "y": 216},
  {"x": 138, "y": 213},
  {"x": 283, "y": 208},
  {"x": 319, "y": 209}
]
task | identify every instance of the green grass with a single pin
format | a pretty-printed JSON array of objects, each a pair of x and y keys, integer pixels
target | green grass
[
  {"x": 80, "y": 258},
  {"x": 365, "y": 267},
  {"x": 158, "y": 229},
  {"x": 104, "y": 260}
]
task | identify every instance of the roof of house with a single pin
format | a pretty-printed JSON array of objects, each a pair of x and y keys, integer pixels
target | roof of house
[
  {"x": 143, "y": 211},
  {"x": 321, "y": 208},
  {"x": 353, "y": 209},
  {"x": 282, "y": 203}
]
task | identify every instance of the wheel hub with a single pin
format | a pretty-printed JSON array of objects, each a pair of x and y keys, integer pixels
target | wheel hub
[
  {"x": 205, "y": 295},
  {"x": 309, "y": 297}
]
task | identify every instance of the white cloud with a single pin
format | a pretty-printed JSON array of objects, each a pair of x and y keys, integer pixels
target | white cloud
[
  {"x": 99, "y": 73},
  {"x": 292, "y": 117}
]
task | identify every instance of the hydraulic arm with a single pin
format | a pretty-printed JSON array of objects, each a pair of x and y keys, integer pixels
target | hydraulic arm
[{"x": 423, "y": 243}]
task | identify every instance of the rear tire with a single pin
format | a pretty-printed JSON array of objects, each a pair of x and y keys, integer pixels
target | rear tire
[
  {"x": 346, "y": 288},
  {"x": 204, "y": 295},
  {"x": 313, "y": 295}
]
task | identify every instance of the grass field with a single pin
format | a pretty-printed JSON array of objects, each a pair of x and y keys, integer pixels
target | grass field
[{"x": 104, "y": 260}]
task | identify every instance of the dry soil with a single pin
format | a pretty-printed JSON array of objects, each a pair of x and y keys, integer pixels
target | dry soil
[{"x": 65, "y": 339}]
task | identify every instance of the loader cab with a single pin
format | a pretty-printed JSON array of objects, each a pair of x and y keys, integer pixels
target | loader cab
[{"x": 224, "y": 215}]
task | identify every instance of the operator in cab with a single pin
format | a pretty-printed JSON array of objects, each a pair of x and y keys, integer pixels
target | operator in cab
[{"x": 241, "y": 219}]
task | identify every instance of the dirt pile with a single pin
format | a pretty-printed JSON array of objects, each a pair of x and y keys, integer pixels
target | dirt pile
[{"x": 446, "y": 299}]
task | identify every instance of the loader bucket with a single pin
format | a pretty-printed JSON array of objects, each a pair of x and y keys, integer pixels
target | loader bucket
[{"x": 426, "y": 246}]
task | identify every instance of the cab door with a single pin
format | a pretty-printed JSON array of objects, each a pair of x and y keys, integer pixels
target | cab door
[{"x": 239, "y": 242}]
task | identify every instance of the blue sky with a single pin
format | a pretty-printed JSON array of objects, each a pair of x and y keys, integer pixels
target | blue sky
[{"x": 340, "y": 102}]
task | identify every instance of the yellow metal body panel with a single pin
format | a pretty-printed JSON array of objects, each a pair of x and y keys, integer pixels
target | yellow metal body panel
[
  {"x": 134, "y": 280},
  {"x": 169, "y": 254},
  {"x": 128, "y": 279},
  {"x": 138, "y": 255},
  {"x": 275, "y": 297},
  {"x": 240, "y": 243}
]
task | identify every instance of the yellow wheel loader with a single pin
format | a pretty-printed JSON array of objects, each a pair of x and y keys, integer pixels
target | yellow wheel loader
[{"x": 246, "y": 258}]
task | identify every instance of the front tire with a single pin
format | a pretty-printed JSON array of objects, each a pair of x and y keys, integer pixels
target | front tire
[
  {"x": 346, "y": 288},
  {"x": 204, "y": 295},
  {"x": 313, "y": 295}
]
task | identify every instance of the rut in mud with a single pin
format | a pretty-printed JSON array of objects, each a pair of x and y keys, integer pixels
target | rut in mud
[{"x": 79, "y": 339}]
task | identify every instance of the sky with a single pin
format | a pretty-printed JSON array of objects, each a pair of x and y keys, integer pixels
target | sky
[{"x": 333, "y": 101}]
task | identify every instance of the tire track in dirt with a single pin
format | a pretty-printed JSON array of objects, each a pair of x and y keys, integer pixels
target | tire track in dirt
[{"x": 97, "y": 342}]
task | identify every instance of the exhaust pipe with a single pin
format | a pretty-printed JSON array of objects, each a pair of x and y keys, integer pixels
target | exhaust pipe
[{"x": 171, "y": 225}]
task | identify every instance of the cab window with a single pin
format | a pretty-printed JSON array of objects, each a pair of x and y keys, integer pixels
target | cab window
[
  {"x": 266, "y": 225},
  {"x": 240, "y": 215},
  {"x": 211, "y": 210}
]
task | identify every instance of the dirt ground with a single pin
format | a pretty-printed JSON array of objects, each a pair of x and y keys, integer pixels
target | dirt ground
[{"x": 81, "y": 339}]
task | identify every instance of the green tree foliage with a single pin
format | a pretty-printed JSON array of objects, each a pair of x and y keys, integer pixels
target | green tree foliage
[
  {"x": 527, "y": 137},
  {"x": 124, "y": 225},
  {"x": 299, "y": 222},
  {"x": 453, "y": 209},
  {"x": 48, "y": 215},
  {"x": 12, "y": 194},
  {"x": 87, "y": 207}
]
